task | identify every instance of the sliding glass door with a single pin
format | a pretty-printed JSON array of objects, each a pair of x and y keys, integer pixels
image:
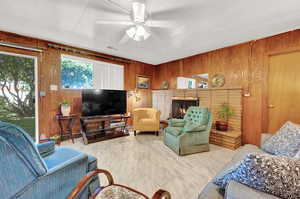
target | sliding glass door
[{"x": 18, "y": 88}]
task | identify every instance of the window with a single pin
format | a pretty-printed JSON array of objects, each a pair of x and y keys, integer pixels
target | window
[
  {"x": 80, "y": 73},
  {"x": 76, "y": 73}
]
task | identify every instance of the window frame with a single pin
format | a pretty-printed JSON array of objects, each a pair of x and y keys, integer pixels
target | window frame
[{"x": 77, "y": 58}]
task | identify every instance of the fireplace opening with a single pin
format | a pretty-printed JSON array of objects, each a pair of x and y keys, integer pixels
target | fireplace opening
[{"x": 180, "y": 106}]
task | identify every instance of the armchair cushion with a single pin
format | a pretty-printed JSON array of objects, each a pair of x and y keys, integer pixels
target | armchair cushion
[
  {"x": 192, "y": 127},
  {"x": 147, "y": 121},
  {"x": 176, "y": 131},
  {"x": 46, "y": 148},
  {"x": 176, "y": 122},
  {"x": 119, "y": 192}
]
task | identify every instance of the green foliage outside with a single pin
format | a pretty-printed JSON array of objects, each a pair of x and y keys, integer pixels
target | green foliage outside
[
  {"x": 17, "y": 91},
  {"x": 76, "y": 74}
]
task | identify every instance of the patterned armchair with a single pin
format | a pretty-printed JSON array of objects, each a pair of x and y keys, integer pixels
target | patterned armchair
[
  {"x": 40, "y": 171},
  {"x": 191, "y": 134}
]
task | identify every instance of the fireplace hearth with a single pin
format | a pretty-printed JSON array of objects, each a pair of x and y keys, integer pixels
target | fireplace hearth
[{"x": 180, "y": 106}]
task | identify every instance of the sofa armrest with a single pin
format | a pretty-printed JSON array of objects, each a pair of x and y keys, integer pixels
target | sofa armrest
[
  {"x": 235, "y": 190},
  {"x": 46, "y": 148},
  {"x": 264, "y": 137}
]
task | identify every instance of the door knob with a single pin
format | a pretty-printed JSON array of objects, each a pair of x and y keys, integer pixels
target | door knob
[{"x": 271, "y": 106}]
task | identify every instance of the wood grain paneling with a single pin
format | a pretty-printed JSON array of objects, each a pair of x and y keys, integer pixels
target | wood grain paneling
[
  {"x": 49, "y": 73},
  {"x": 243, "y": 65}
]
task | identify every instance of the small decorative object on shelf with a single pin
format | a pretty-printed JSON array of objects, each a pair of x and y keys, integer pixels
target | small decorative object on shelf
[
  {"x": 224, "y": 112},
  {"x": 165, "y": 85},
  {"x": 218, "y": 80},
  {"x": 65, "y": 108}
]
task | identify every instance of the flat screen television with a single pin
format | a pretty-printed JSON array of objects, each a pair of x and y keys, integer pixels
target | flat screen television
[{"x": 103, "y": 102}]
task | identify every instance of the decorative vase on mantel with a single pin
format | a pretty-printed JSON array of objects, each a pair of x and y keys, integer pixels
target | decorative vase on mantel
[{"x": 65, "y": 108}]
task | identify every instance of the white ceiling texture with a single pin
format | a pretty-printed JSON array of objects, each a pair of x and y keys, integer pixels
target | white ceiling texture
[{"x": 189, "y": 27}]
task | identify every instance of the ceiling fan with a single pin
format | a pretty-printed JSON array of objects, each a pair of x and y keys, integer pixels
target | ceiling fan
[{"x": 140, "y": 23}]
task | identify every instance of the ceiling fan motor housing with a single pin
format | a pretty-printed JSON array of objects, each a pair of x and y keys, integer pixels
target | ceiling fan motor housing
[{"x": 139, "y": 12}]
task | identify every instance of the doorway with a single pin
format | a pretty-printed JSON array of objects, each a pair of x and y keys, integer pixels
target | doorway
[
  {"x": 18, "y": 91},
  {"x": 283, "y": 90}
]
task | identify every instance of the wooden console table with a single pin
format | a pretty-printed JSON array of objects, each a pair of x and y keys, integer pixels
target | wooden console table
[
  {"x": 230, "y": 139},
  {"x": 99, "y": 128},
  {"x": 66, "y": 129}
]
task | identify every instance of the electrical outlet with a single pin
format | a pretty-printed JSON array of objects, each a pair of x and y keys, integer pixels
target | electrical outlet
[
  {"x": 247, "y": 95},
  {"x": 42, "y": 94}
]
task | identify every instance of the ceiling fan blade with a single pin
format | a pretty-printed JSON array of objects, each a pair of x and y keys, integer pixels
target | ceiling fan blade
[
  {"x": 111, "y": 22},
  {"x": 176, "y": 13},
  {"x": 106, "y": 7},
  {"x": 161, "y": 23},
  {"x": 124, "y": 39},
  {"x": 116, "y": 5}
]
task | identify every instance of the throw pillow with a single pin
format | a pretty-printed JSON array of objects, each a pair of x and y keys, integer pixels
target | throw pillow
[
  {"x": 298, "y": 154},
  {"x": 276, "y": 175},
  {"x": 285, "y": 142}
]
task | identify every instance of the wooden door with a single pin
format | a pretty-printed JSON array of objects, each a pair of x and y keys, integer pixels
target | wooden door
[{"x": 284, "y": 90}]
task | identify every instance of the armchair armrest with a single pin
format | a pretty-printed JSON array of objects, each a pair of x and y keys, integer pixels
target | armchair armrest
[
  {"x": 46, "y": 148},
  {"x": 176, "y": 123},
  {"x": 160, "y": 194},
  {"x": 194, "y": 128},
  {"x": 86, "y": 179},
  {"x": 235, "y": 190},
  {"x": 74, "y": 161}
]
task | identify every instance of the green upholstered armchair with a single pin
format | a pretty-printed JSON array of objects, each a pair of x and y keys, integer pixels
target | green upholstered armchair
[{"x": 191, "y": 134}]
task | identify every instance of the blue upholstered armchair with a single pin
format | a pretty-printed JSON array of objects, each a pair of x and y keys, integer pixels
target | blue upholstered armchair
[
  {"x": 190, "y": 134},
  {"x": 43, "y": 171}
]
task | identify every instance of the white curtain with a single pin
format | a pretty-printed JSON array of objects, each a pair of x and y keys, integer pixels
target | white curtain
[
  {"x": 162, "y": 100},
  {"x": 108, "y": 76},
  {"x": 105, "y": 75}
]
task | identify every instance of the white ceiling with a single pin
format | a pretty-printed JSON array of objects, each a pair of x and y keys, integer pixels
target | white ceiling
[{"x": 201, "y": 25}]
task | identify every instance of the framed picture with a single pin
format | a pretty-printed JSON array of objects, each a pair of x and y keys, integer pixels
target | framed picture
[{"x": 142, "y": 82}]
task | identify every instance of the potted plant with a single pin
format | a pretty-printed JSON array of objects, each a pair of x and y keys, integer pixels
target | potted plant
[
  {"x": 223, "y": 113},
  {"x": 56, "y": 139},
  {"x": 65, "y": 108}
]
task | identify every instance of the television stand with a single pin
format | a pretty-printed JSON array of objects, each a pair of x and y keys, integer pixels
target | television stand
[{"x": 99, "y": 128}]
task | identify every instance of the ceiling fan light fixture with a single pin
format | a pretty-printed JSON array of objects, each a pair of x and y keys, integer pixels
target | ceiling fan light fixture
[
  {"x": 138, "y": 12},
  {"x": 131, "y": 32},
  {"x": 138, "y": 33}
]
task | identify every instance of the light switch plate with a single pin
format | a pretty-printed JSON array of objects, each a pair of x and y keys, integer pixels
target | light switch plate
[
  {"x": 53, "y": 87},
  {"x": 42, "y": 93}
]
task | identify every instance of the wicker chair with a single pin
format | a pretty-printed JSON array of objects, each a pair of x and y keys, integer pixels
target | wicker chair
[{"x": 112, "y": 190}]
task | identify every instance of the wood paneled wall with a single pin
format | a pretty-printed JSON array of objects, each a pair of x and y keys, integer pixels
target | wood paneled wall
[
  {"x": 49, "y": 73},
  {"x": 244, "y": 66}
]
